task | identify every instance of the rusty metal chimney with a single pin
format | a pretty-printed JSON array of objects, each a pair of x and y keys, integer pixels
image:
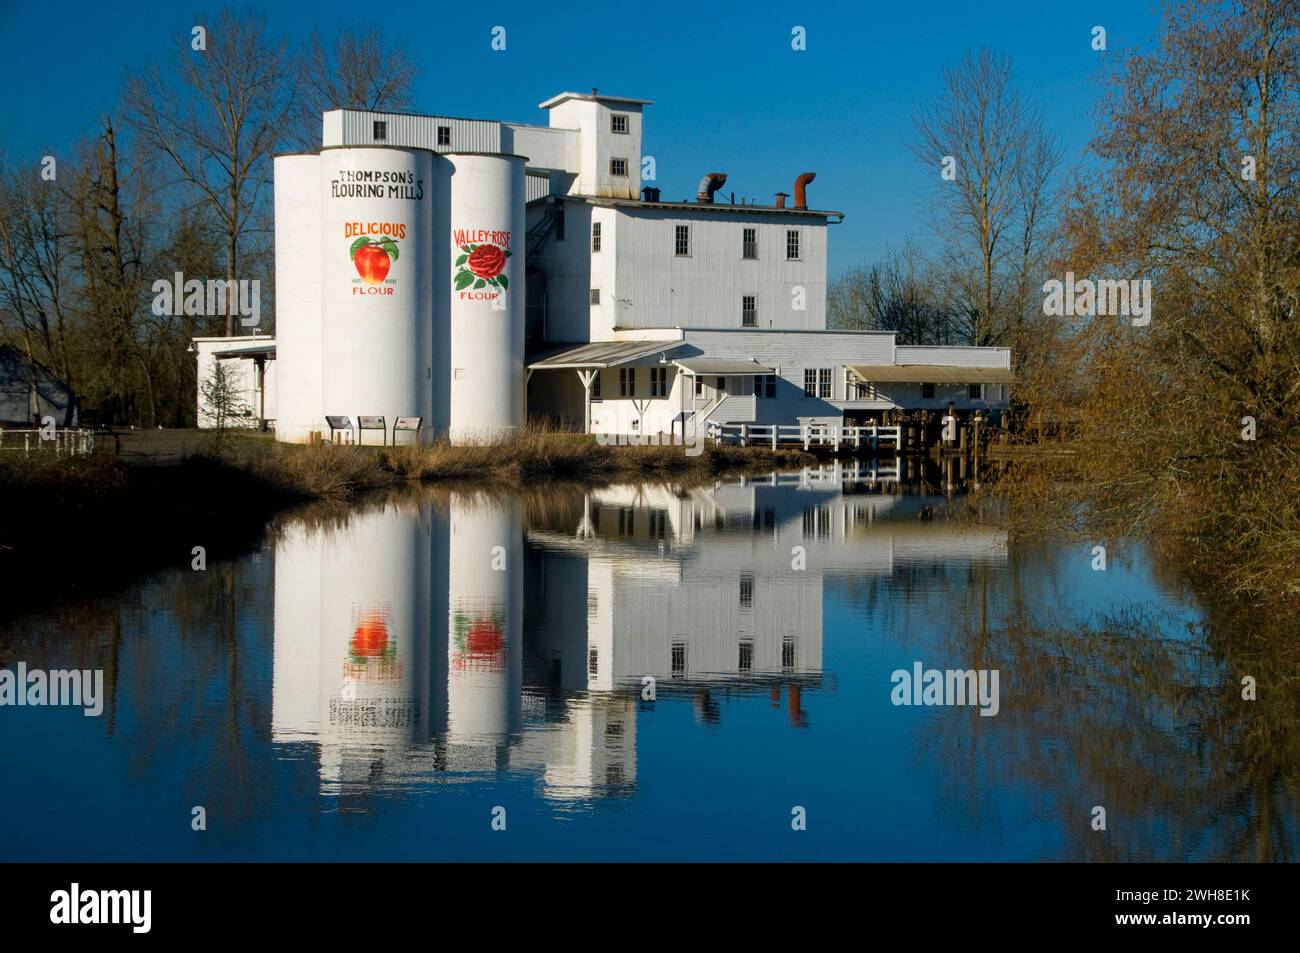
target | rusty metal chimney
[
  {"x": 780, "y": 199},
  {"x": 710, "y": 184},
  {"x": 800, "y": 189}
]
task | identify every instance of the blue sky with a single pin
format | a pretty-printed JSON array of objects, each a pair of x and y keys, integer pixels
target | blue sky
[{"x": 730, "y": 95}]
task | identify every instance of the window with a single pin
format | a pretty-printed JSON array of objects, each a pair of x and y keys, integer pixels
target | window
[
  {"x": 721, "y": 385},
  {"x": 595, "y": 296},
  {"x": 787, "y": 653},
  {"x": 823, "y": 382},
  {"x": 595, "y": 386},
  {"x": 658, "y": 382},
  {"x": 444, "y": 135},
  {"x": 626, "y": 520},
  {"x": 627, "y": 382},
  {"x": 749, "y": 244},
  {"x": 810, "y": 382},
  {"x": 699, "y": 386},
  {"x": 678, "y": 659},
  {"x": 682, "y": 245},
  {"x": 927, "y": 392},
  {"x": 792, "y": 245},
  {"x": 618, "y": 123},
  {"x": 863, "y": 390},
  {"x": 381, "y": 130},
  {"x": 593, "y": 662},
  {"x": 764, "y": 385},
  {"x": 747, "y": 590},
  {"x": 618, "y": 168},
  {"x": 749, "y": 311},
  {"x": 658, "y": 524},
  {"x": 975, "y": 391},
  {"x": 746, "y": 661},
  {"x": 595, "y": 236}
]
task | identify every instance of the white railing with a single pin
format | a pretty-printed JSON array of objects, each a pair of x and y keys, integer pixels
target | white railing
[
  {"x": 67, "y": 440},
  {"x": 808, "y": 435}
]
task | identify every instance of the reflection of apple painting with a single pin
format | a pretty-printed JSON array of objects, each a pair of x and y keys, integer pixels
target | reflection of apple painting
[
  {"x": 373, "y": 257},
  {"x": 370, "y": 639},
  {"x": 479, "y": 641}
]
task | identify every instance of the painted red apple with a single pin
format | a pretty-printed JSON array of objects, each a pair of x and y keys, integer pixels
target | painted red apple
[{"x": 372, "y": 263}]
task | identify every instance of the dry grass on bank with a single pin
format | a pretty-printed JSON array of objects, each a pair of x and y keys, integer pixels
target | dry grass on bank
[{"x": 342, "y": 472}]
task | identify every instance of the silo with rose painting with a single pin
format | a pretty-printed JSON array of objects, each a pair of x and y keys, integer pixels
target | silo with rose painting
[{"x": 486, "y": 275}]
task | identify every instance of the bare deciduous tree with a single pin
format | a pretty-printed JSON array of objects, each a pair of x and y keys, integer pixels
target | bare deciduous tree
[
  {"x": 218, "y": 116},
  {"x": 361, "y": 70},
  {"x": 990, "y": 212}
]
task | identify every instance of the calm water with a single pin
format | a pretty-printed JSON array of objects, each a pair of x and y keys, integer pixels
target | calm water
[{"x": 374, "y": 683}]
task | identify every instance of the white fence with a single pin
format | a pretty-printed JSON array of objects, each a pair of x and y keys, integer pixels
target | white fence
[
  {"x": 809, "y": 435},
  {"x": 74, "y": 442}
]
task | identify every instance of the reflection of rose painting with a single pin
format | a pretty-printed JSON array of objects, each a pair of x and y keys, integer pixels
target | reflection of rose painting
[
  {"x": 481, "y": 266},
  {"x": 479, "y": 641}
]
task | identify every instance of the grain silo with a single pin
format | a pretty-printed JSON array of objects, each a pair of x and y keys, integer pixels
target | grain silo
[
  {"x": 486, "y": 274},
  {"x": 297, "y": 296},
  {"x": 379, "y": 256}
]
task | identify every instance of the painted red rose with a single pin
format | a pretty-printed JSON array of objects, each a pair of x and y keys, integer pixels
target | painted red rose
[{"x": 486, "y": 261}]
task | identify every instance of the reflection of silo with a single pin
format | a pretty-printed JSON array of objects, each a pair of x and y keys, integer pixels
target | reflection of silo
[
  {"x": 487, "y": 296},
  {"x": 484, "y": 620},
  {"x": 374, "y": 587},
  {"x": 295, "y": 679},
  {"x": 297, "y": 297},
  {"x": 377, "y": 249}
]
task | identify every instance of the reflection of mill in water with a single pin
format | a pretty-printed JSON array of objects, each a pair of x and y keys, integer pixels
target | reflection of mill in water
[{"x": 692, "y": 588}]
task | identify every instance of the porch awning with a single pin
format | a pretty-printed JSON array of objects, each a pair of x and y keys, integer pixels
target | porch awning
[
  {"x": 602, "y": 354},
  {"x": 265, "y": 349},
  {"x": 713, "y": 365},
  {"x": 931, "y": 374}
]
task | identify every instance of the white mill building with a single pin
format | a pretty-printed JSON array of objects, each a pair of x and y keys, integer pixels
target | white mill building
[{"x": 475, "y": 273}]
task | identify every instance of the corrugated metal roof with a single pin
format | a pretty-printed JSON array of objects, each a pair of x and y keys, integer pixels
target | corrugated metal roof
[
  {"x": 602, "y": 354},
  {"x": 931, "y": 374},
  {"x": 711, "y": 365}
]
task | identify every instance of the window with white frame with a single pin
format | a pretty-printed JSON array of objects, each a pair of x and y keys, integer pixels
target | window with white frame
[
  {"x": 699, "y": 386},
  {"x": 749, "y": 311},
  {"x": 810, "y": 382},
  {"x": 975, "y": 391},
  {"x": 595, "y": 236},
  {"x": 658, "y": 382},
  {"x": 682, "y": 240},
  {"x": 792, "y": 244},
  {"x": 618, "y": 123},
  {"x": 627, "y": 382},
  {"x": 595, "y": 296},
  {"x": 765, "y": 385},
  {"x": 749, "y": 243},
  {"x": 595, "y": 386},
  {"x": 618, "y": 168},
  {"x": 824, "y": 382}
]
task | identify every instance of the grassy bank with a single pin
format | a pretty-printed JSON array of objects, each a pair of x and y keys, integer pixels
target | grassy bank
[{"x": 80, "y": 525}]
